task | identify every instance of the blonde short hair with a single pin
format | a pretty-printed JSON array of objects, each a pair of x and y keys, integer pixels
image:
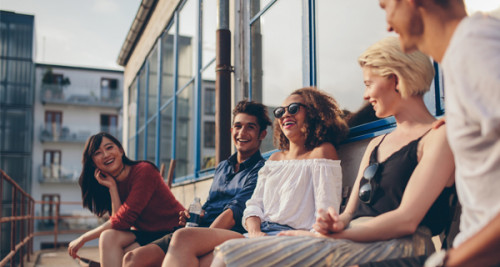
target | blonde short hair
[{"x": 414, "y": 70}]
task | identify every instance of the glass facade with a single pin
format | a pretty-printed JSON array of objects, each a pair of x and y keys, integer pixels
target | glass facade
[
  {"x": 281, "y": 46},
  {"x": 163, "y": 121},
  {"x": 16, "y": 96},
  {"x": 16, "y": 110}
]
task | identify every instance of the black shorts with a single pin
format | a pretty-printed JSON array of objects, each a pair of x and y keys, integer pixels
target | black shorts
[
  {"x": 163, "y": 242},
  {"x": 144, "y": 237}
]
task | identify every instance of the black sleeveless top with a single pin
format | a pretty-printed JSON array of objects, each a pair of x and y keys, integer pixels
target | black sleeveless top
[{"x": 392, "y": 177}]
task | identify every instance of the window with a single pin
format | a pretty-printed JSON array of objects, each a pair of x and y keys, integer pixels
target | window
[
  {"x": 209, "y": 101},
  {"x": 51, "y": 169},
  {"x": 109, "y": 124},
  {"x": 109, "y": 88},
  {"x": 209, "y": 134},
  {"x": 53, "y": 123}
]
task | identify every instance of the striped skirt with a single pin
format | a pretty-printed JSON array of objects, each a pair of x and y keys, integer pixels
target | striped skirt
[{"x": 315, "y": 251}]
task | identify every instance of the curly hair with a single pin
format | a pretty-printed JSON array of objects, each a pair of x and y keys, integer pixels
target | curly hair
[{"x": 324, "y": 122}]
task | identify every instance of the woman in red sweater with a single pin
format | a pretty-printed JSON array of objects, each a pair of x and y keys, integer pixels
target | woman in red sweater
[{"x": 133, "y": 193}]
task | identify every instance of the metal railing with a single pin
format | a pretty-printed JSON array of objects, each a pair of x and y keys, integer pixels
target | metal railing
[{"x": 22, "y": 221}]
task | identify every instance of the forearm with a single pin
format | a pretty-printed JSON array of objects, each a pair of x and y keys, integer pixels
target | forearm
[
  {"x": 253, "y": 224},
  {"x": 479, "y": 250},
  {"x": 115, "y": 200},
  {"x": 96, "y": 232},
  {"x": 224, "y": 221},
  {"x": 383, "y": 227}
]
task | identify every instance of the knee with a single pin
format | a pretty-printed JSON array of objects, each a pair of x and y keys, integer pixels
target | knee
[
  {"x": 181, "y": 236},
  {"x": 109, "y": 237},
  {"x": 130, "y": 259}
]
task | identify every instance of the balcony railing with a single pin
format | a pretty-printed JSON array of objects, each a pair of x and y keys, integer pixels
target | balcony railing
[
  {"x": 17, "y": 210},
  {"x": 59, "y": 94},
  {"x": 55, "y": 173},
  {"x": 56, "y": 132}
]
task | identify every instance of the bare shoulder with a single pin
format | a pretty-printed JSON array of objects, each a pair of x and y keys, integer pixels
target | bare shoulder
[
  {"x": 276, "y": 156},
  {"x": 325, "y": 151},
  {"x": 437, "y": 136}
]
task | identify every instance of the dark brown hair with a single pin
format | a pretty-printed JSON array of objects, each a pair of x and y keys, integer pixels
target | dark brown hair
[
  {"x": 95, "y": 196},
  {"x": 323, "y": 121},
  {"x": 255, "y": 109}
]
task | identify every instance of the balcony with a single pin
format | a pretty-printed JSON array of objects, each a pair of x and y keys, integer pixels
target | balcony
[
  {"x": 64, "y": 95},
  {"x": 56, "y": 132},
  {"x": 55, "y": 173}
]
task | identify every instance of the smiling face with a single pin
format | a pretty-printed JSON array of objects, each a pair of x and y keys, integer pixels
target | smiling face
[
  {"x": 403, "y": 18},
  {"x": 108, "y": 157},
  {"x": 293, "y": 125},
  {"x": 246, "y": 134},
  {"x": 380, "y": 92}
]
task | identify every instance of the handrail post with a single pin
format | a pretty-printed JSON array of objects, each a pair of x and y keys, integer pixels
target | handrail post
[
  {"x": 13, "y": 225},
  {"x": 56, "y": 223},
  {"x": 21, "y": 232}
]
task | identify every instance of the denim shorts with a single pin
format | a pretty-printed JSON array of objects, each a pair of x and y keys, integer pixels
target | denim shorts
[{"x": 271, "y": 228}]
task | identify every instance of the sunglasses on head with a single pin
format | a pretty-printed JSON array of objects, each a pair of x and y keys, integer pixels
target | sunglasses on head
[
  {"x": 292, "y": 109},
  {"x": 367, "y": 190}
]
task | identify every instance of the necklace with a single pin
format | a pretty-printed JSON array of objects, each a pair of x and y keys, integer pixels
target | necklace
[{"x": 119, "y": 172}]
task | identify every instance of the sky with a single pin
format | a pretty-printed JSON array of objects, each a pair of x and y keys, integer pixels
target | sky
[
  {"x": 86, "y": 33},
  {"x": 90, "y": 33}
]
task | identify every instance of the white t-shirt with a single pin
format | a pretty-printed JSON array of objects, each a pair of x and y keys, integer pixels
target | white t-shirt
[
  {"x": 291, "y": 191},
  {"x": 471, "y": 67}
]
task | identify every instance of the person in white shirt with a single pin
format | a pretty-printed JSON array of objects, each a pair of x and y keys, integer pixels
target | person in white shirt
[{"x": 304, "y": 176}]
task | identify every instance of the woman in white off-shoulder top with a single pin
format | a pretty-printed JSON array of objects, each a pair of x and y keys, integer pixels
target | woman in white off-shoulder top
[{"x": 295, "y": 182}]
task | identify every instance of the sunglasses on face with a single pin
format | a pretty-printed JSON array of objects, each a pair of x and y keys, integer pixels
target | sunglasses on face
[
  {"x": 367, "y": 190},
  {"x": 292, "y": 109}
]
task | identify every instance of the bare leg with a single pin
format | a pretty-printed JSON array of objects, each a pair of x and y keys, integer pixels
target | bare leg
[
  {"x": 190, "y": 243},
  {"x": 111, "y": 246},
  {"x": 148, "y": 255}
]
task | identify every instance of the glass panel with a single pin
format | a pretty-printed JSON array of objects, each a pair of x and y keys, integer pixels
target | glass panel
[
  {"x": 187, "y": 42},
  {"x": 152, "y": 141},
  {"x": 131, "y": 148},
  {"x": 17, "y": 131},
  {"x": 153, "y": 83},
  {"x": 256, "y": 6},
  {"x": 132, "y": 110},
  {"x": 184, "y": 132},
  {"x": 18, "y": 81},
  {"x": 166, "y": 137},
  {"x": 19, "y": 169},
  {"x": 209, "y": 29},
  {"x": 167, "y": 86},
  {"x": 276, "y": 56},
  {"x": 140, "y": 146},
  {"x": 339, "y": 46},
  {"x": 142, "y": 97},
  {"x": 207, "y": 124}
]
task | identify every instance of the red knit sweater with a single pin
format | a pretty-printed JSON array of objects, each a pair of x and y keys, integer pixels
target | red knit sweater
[{"x": 147, "y": 202}]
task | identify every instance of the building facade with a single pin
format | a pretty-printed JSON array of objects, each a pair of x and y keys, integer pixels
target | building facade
[
  {"x": 71, "y": 103},
  {"x": 277, "y": 47},
  {"x": 16, "y": 107}
]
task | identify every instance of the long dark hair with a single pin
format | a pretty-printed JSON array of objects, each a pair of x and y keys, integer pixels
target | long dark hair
[{"x": 95, "y": 196}]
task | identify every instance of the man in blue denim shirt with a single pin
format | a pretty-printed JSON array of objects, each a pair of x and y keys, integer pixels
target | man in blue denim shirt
[{"x": 233, "y": 184}]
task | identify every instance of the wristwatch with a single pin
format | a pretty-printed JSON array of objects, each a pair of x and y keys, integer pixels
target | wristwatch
[{"x": 437, "y": 259}]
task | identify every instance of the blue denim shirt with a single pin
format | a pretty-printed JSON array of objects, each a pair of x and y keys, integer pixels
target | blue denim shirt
[{"x": 231, "y": 190}]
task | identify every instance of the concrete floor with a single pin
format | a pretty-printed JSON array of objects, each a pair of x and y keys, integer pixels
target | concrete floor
[{"x": 60, "y": 257}]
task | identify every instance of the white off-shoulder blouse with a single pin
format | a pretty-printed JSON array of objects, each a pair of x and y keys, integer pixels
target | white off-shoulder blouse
[{"x": 291, "y": 191}]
